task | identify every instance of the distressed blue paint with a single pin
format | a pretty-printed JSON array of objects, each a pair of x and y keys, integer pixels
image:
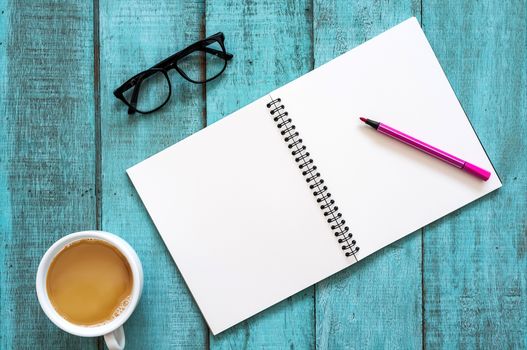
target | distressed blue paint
[
  {"x": 133, "y": 38},
  {"x": 475, "y": 264},
  {"x": 468, "y": 268},
  {"x": 6, "y": 319},
  {"x": 46, "y": 174}
]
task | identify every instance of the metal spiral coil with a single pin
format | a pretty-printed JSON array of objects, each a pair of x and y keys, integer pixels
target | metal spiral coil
[{"x": 312, "y": 177}]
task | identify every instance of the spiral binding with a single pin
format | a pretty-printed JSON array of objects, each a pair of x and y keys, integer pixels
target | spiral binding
[{"x": 313, "y": 177}]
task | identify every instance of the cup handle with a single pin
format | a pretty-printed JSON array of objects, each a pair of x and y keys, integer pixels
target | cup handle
[{"x": 115, "y": 340}]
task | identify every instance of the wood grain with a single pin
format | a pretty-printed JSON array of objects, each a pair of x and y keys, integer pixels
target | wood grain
[
  {"x": 475, "y": 264},
  {"x": 47, "y": 157},
  {"x": 132, "y": 39},
  {"x": 271, "y": 43},
  {"x": 65, "y": 143},
  {"x": 5, "y": 198},
  {"x": 376, "y": 303}
]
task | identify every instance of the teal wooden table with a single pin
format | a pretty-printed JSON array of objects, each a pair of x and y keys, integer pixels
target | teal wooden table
[{"x": 65, "y": 143}]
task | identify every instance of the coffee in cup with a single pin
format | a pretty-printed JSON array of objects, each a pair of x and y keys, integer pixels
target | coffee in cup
[{"x": 89, "y": 282}]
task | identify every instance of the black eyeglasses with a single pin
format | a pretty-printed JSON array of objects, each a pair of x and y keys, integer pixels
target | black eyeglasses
[{"x": 199, "y": 63}]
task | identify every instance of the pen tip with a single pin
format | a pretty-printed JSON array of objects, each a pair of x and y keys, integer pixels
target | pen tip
[{"x": 363, "y": 119}]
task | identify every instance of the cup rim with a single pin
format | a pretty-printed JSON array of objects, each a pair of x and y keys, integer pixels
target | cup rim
[{"x": 61, "y": 322}]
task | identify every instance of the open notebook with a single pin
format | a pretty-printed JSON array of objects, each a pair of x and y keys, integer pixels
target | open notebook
[{"x": 232, "y": 203}]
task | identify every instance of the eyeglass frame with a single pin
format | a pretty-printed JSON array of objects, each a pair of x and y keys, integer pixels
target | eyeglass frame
[{"x": 171, "y": 63}]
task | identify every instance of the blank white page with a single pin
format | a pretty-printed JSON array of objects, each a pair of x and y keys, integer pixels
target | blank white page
[
  {"x": 384, "y": 188},
  {"x": 237, "y": 217}
]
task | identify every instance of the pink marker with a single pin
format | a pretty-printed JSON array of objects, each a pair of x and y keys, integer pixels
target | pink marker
[{"x": 431, "y": 150}]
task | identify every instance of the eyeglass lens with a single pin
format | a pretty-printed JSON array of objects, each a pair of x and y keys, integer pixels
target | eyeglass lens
[
  {"x": 152, "y": 91},
  {"x": 202, "y": 65}
]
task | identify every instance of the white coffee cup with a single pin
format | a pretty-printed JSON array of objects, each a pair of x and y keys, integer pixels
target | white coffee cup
[{"x": 113, "y": 330}]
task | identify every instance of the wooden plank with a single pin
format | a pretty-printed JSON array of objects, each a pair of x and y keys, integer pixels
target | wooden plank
[
  {"x": 271, "y": 43},
  {"x": 475, "y": 260},
  {"x": 133, "y": 38},
  {"x": 5, "y": 199},
  {"x": 47, "y": 159},
  {"x": 376, "y": 303}
]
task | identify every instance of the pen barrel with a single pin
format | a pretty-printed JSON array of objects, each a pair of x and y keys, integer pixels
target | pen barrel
[{"x": 422, "y": 146}]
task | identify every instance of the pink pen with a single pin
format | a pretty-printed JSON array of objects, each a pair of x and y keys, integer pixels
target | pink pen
[{"x": 431, "y": 150}]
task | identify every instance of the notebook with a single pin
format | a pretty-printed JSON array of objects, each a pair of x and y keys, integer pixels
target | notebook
[{"x": 294, "y": 188}]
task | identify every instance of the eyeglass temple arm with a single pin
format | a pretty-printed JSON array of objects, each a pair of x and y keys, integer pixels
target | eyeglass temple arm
[
  {"x": 221, "y": 54},
  {"x": 133, "y": 101}
]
